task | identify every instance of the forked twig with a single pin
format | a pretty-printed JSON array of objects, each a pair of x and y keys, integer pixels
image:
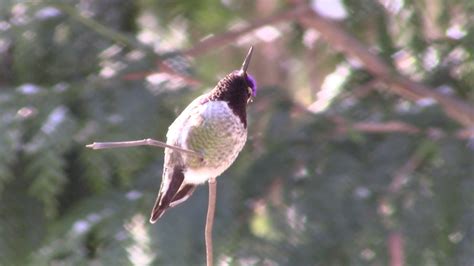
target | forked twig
[
  {"x": 211, "y": 207},
  {"x": 135, "y": 143}
]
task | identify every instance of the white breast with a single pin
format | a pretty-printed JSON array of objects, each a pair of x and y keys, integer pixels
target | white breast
[
  {"x": 216, "y": 110},
  {"x": 201, "y": 175}
]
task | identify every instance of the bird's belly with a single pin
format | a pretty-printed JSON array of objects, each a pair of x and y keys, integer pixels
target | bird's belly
[{"x": 219, "y": 138}]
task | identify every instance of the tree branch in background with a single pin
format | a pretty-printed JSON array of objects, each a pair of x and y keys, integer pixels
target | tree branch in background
[
  {"x": 395, "y": 243},
  {"x": 215, "y": 41},
  {"x": 403, "y": 173},
  {"x": 228, "y": 37},
  {"x": 343, "y": 127},
  {"x": 335, "y": 35},
  {"x": 401, "y": 85}
]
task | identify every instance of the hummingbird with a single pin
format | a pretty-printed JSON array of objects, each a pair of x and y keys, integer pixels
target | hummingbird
[{"x": 215, "y": 126}]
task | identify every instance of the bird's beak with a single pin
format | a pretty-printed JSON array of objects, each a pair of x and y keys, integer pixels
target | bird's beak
[{"x": 246, "y": 63}]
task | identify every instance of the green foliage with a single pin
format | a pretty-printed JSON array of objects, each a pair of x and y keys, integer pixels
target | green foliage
[
  {"x": 309, "y": 188},
  {"x": 204, "y": 15}
]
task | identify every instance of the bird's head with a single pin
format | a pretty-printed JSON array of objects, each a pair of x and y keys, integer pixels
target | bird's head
[
  {"x": 238, "y": 87},
  {"x": 249, "y": 80}
]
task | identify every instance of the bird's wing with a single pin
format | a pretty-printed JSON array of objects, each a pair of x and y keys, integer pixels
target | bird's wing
[
  {"x": 168, "y": 189},
  {"x": 172, "y": 190},
  {"x": 184, "y": 192}
]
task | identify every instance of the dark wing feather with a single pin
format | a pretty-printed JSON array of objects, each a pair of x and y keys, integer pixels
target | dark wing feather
[
  {"x": 183, "y": 194},
  {"x": 167, "y": 192}
]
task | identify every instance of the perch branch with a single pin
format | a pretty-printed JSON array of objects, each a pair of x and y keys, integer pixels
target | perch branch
[
  {"x": 395, "y": 245},
  {"x": 211, "y": 207},
  {"x": 135, "y": 143}
]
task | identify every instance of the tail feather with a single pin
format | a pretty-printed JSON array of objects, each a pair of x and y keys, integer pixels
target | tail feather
[
  {"x": 169, "y": 189},
  {"x": 183, "y": 194}
]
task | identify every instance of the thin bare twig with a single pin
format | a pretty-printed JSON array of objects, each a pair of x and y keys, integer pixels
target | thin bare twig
[
  {"x": 402, "y": 174},
  {"x": 135, "y": 143},
  {"x": 390, "y": 126},
  {"x": 211, "y": 207}
]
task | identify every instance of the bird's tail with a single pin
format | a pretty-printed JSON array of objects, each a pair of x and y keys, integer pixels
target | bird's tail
[{"x": 172, "y": 192}]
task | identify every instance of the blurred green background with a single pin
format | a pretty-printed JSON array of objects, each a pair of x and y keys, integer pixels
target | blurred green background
[{"x": 337, "y": 170}]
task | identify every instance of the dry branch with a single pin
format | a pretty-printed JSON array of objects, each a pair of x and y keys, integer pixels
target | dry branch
[
  {"x": 136, "y": 143},
  {"x": 396, "y": 248}
]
